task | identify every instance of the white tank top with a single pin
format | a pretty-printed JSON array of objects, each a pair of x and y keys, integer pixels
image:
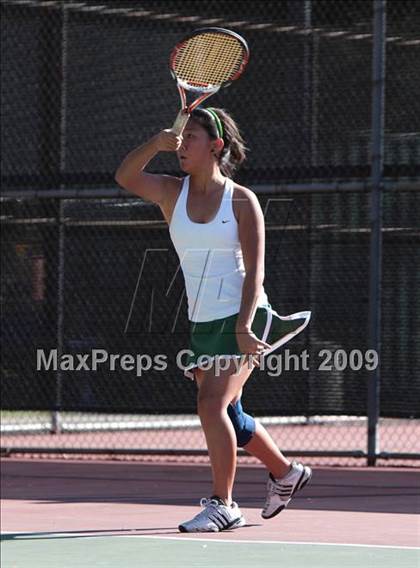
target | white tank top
[{"x": 211, "y": 258}]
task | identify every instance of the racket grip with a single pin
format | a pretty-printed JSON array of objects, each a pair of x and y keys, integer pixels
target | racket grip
[{"x": 180, "y": 122}]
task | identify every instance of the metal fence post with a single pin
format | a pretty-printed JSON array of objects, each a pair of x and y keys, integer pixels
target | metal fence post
[
  {"x": 56, "y": 421},
  {"x": 377, "y": 145}
]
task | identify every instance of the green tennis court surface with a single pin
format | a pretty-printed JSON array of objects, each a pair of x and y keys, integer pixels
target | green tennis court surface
[{"x": 44, "y": 550}]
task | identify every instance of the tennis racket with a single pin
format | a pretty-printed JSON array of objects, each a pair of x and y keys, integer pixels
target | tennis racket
[{"x": 202, "y": 63}]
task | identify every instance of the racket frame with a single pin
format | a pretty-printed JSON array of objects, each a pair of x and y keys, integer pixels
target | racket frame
[{"x": 206, "y": 90}]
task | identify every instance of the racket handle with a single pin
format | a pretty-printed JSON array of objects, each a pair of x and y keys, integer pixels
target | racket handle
[{"x": 180, "y": 122}]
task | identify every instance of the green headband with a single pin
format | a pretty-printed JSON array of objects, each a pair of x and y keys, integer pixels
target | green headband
[{"x": 217, "y": 120}]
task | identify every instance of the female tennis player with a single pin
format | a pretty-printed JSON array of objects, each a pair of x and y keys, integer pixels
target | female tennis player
[{"x": 217, "y": 228}]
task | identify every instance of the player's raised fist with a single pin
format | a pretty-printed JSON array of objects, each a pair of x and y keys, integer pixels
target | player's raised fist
[{"x": 168, "y": 141}]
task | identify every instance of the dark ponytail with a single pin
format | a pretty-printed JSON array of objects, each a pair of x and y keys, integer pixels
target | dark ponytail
[{"x": 234, "y": 150}]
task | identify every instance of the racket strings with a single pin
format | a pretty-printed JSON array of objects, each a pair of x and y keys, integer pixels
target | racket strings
[
  {"x": 213, "y": 63},
  {"x": 209, "y": 59}
]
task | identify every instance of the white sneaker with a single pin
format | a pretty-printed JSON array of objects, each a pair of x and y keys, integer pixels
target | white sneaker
[
  {"x": 281, "y": 491},
  {"x": 214, "y": 518}
]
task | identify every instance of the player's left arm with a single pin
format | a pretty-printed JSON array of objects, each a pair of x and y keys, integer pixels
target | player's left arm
[{"x": 252, "y": 238}]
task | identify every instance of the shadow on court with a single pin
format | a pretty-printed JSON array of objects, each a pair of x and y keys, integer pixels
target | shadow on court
[
  {"x": 100, "y": 533},
  {"x": 81, "y": 534},
  {"x": 362, "y": 490}
]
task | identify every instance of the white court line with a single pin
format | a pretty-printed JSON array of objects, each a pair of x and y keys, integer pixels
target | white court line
[
  {"x": 206, "y": 540},
  {"x": 276, "y": 542}
]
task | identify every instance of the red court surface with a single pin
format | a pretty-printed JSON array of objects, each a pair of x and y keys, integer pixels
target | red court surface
[{"x": 364, "y": 506}]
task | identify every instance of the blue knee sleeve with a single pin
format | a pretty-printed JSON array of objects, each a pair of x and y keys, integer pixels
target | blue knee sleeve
[{"x": 244, "y": 424}]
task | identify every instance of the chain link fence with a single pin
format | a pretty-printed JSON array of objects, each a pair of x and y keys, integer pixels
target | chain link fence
[
  {"x": 86, "y": 81},
  {"x": 82, "y": 262}
]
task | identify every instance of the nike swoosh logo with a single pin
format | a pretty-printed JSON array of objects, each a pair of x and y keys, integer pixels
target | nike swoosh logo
[{"x": 227, "y": 221}]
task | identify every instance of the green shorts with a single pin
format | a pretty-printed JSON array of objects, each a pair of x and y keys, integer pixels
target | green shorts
[{"x": 217, "y": 338}]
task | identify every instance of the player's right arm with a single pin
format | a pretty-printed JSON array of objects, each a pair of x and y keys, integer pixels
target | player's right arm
[{"x": 132, "y": 177}]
